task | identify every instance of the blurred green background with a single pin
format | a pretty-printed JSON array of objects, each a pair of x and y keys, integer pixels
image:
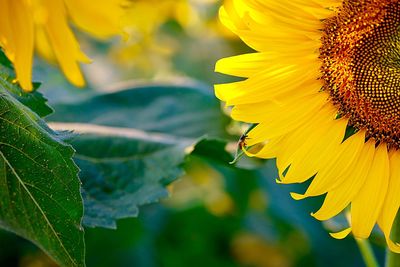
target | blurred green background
[{"x": 217, "y": 214}]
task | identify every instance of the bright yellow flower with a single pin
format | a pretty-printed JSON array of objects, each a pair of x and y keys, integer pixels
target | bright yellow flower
[
  {"x": 323, "y": 87},
  {"x": 44, "y": 25}
]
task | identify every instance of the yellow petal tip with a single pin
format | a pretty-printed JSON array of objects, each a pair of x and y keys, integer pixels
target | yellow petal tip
[
  {"x": 342, "y": 234},
  {"x": 394, "y": 247},
  {"x": 297, "y": 196}
]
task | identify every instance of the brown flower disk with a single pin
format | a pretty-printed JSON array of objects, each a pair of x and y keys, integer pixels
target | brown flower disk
[{"x": 361, "y": 66}]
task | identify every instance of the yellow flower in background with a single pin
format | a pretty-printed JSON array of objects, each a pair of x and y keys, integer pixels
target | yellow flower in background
[
  {"x": 26, "y": 25},
  {"x": 150, "y": 46},
  {"x": 142, "y": 22},
  {"x": 145, "y": 16},
  {"x": 323, "y": 89}
]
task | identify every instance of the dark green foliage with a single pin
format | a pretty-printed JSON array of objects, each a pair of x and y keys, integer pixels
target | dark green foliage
[
  {"x": 121, "y": 173},
  {"x": 153, "y": 129},
  {"x": 39, "y": 196},
  {"x": 186, "y": 111}
]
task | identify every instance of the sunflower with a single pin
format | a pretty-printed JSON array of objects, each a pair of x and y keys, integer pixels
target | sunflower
[
  {"x": 44, "y": 25},
  {"x": 323, "y": 88}
]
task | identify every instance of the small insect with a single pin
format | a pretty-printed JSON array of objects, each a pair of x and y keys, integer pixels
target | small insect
[
  {"x": 240, "y": 146},
  {"x": 242, "y": 141}
]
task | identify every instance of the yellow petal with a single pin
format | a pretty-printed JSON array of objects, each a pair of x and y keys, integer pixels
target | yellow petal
[
  {"x": 392, "y": 201},
  {"x": 318, "y": 154},
  {"x": 286, "y": 118},
  {"x": 354, "y": 178},
  {"x": 268, "y": 151},
  {"x": 299, "y": 143},
  {"x": 17, "y": 37},
  {"x": 243, "y": 65},
  {"x": 101, "y": 19},
  {"x": 342, "y": 234},
  {"x": 66, "y": 48},
  {"x": 332, "y": 175},
  {"x": 367, "y": 205}
]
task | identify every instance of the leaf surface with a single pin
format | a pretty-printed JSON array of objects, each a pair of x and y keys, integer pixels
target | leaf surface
[
  {"x": 181, "y": 110},
  {"x": 40, "y": 192},
  {"x": 132, "y": 143}
]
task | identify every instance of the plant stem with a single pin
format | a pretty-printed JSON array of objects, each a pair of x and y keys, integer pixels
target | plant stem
[
  {"x": 367, "y": 252},
  {"x": 393, "y": 259}
]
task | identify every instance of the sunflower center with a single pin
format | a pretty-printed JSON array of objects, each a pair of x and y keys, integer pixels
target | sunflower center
[{"x": 361, "y": 66}]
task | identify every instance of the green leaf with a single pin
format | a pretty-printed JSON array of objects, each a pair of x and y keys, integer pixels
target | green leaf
[
  {"x": 134, "y": 142},
  {"x": 122, "y": 169},
  {"x": 181, "y": 110},
  {"x": 213, "y": 149},
  {"x": 4, "y": 61},
  {"x": 34, "y": 100},
  {"x": 40, "y": 191},
  {"x": 121, "y": 173}
]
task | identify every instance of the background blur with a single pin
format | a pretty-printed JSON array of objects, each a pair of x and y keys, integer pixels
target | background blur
[{"x": 217, "y": 214}]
